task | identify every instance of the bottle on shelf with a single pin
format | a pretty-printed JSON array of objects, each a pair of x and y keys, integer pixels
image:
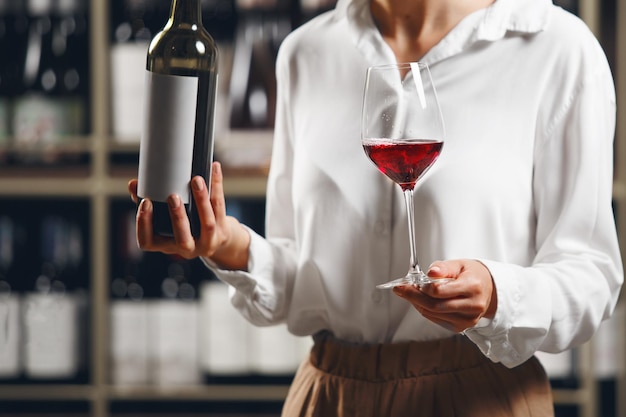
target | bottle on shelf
[
  {"x": 54, "y": 308},
  {"x": 173, "y": 334},
  {"x": 10, "y": 304},
  {"x": 133, "y": 24},
  {"x": 179, "y": 109},
  {"x": 4, "y": 85},
  {"x": 46, "y": 117},
  {"x": 248, "y": 102},
  {"x": 225, "y": 334},
  {"x": 128, "y": 309},
  {"x": 232, "y": 349},
  {"x": 70, "y": 48},
  {"x": 560, "y": 367},
  {"x": 276, "y": 353},
  {"x": 262, "y": 26},
  {"x": 13, "y": 41}
]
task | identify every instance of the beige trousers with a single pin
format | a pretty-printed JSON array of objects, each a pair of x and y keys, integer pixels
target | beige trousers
[{"x": 443, "y": 378}]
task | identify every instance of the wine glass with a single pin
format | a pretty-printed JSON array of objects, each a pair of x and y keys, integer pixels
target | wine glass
[{"x": 402, "y": 132}]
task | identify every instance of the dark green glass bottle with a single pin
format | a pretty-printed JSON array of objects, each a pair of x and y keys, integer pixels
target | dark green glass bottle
[{"x": 179, "y": 109}]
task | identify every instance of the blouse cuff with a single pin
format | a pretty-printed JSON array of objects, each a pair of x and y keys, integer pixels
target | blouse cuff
[
  {"x": 258, "y": 252},
  {"x": 492, "y": 335}
]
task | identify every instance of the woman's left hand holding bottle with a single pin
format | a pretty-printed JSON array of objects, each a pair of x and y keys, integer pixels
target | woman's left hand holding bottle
[{"x": 222, "y": 239}]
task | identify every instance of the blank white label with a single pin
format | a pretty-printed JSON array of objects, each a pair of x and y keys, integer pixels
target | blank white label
[
  {"x": 10, "y": 336},
  {"x": 174, "y": 342},
  {"x": 128, "y": 61},
  {"x": 224, "y": 339},
  {"x": 129, "y": 342},
  {"x": 51, "y": 335},
  {"x": 166, "y": 150}
]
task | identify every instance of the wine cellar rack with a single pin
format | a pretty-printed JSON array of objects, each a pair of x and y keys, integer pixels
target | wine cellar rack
[{"x": 93, "y": 181}]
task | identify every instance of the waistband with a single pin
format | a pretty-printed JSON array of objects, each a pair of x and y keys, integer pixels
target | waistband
[{"x": 388, "y": 361}]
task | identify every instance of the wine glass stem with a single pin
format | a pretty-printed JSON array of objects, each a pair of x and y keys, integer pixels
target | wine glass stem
[{"x": 410, "y": 215}]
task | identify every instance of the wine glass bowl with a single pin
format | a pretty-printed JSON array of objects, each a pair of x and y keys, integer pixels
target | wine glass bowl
[
  {"x": 402, "y": 133},
  {"x": 404, "y": 162}
]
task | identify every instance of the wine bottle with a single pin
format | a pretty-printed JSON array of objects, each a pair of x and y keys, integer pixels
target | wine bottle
[
  {"x": 40, "y": 123},
  {"x": 128, "y": 309},
  {"x": 10, "y": 303},
  {"x": 14, "y": 27},
  {"x": 225, "y": 338},
  {"x": 4, "y": 85},
  {"x": 70, "y": 48},
  {"x": 133, "y": 24},
  {"x": 177, "y": 137},
  {"x": 174, "y": 330},
  {"x": 53, "y": 311}
]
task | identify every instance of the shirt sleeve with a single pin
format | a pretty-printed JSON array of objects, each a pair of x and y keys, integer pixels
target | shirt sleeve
[
  {"x": 573, "y": 283},
  {"x": 263, "y": 292}
]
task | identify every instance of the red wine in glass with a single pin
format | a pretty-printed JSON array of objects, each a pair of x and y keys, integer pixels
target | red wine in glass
[
  {"x": 402, "y": 133},
  {"x": 404, "y": 162}
]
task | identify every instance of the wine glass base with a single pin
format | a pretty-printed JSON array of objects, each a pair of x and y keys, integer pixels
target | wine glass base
[{"x": 416, "y": 279}]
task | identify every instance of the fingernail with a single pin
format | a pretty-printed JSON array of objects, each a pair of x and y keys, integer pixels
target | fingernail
[
  {"x": 217, "y": 168},
  {"x": 173, "y": 201},
  {"x": 145, "y": 205},
  {"x": 434, "y": 268},
  {"x": 197, "y": 183}
]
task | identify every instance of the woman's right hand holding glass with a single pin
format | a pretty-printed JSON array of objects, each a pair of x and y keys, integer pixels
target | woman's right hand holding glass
[{"x": 222, "y": 239}]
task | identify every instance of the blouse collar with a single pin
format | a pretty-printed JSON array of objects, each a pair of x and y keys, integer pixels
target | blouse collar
[{"x": 490, "y": 24}]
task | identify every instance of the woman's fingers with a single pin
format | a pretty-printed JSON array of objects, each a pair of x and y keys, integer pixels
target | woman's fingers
[
  {"x": 211, "y": 211},
  {"x": 439, "y": 269},
  {"x": 204, "y": 205},
  {"x": 144, "y": 224},
  {"x": 217, "y": 193},
  {"x": 132, "y": 189},
  {"x": 456, "y": 314},
  {"x": 185, "y": 242},
  {"x": 456, "y": 304},
  {"x": 146, "y": 239}
]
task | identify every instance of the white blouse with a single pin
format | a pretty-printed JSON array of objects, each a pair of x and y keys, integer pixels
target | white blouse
[{"x": 523, "y": 184}]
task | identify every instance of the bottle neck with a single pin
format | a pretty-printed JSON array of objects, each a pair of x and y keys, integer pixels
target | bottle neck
[{"x": 185, "y": 12}]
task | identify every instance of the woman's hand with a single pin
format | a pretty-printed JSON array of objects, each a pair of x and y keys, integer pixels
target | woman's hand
[
  {"x": 458, "y": 304},
  {"x": 222, "y": 238}
]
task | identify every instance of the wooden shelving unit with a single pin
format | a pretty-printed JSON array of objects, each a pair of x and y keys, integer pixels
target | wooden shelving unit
[{"x": 100, "y": 185}]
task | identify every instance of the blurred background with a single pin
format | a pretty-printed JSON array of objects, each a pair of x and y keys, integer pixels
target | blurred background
[{"x": 90, "y": 325}]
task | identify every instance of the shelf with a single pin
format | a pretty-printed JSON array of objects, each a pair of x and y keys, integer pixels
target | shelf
[
  {"x": 46, "y": 185},
  {"x": 239, "y": 186},
  {"x": 229, "y": 392},
  {"x": 38, "y": 392},
  {"x": 97, "y": 168},
  {"x": 201, "y": 393},
  {"x": 73, "y": 183},
  {"x": 192, "y": 393},
  {"x": 570, "y": 396}
]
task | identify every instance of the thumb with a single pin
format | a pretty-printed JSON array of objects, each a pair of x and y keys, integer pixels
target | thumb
[{"x": 440, "y": 269}]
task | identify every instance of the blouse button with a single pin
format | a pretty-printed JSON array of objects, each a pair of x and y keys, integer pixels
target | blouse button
[
  {"x": 380, "y": 228},
  {"x": 377, "y": 297}
]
